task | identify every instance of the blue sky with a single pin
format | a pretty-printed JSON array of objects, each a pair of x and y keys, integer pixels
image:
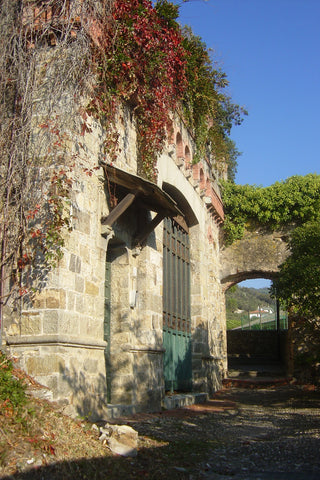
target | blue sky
[{"x": 270, "y": 51}]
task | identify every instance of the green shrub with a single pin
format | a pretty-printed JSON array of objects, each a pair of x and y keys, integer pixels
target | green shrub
[{"x": 12, "y": 390}]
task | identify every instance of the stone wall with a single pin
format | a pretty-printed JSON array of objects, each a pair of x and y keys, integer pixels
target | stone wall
[
  {"x": 65, "y": 340},
  {"x": 258, "y": 254},
  {"x": 256, "y": 343}
]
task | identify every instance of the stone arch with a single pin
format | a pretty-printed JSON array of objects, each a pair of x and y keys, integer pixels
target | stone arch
[
  {"x": 258, "y": 254},
  {"x": 182, "y": 202}
]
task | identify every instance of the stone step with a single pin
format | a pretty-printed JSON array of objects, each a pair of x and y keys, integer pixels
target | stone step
[
  {"x": 255, "y": 382},
  {"x": 183, "y": 400}
]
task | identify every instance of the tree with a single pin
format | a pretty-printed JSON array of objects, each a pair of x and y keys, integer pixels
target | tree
[{"x": 298, "y": 283}]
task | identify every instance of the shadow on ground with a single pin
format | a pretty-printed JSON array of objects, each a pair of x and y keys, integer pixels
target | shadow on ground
[{"x": 240, "y": 434}]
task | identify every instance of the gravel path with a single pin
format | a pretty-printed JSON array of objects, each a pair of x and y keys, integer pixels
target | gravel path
[
  {"x": 250, "y": 434},
  {"x": 273, "y": 434}
]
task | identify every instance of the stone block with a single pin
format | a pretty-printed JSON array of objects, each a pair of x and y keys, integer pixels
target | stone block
[
  {"x": 40, "y": 300},
  {"x": 80, "y": 304},
  {"x": 69, "y": 324},
  {"x": 67, "y": 280},
  {"x": 31, "y": 324},
  {"x": 91, "y": 365},
  {"x": 91, "y": 288},
  {"x": 82, "y": 222},
  {"x": 70, "y": 301},
  {"x": 50, "y": 321},
  {"x": 79, "y": 284},
  {"x": 120, "y": 395},
  {"x": 55, "y": 299},
  {"x": 45, "y": 365},
  {"x": 51, "y": 381},
  {"x": 75, "y": 263},
  {"x": 121, "y": 364},
  {"x": 95, "y": 328}
]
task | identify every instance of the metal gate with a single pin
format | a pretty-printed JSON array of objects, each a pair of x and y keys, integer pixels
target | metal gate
[{"x": 176, "y": 307}]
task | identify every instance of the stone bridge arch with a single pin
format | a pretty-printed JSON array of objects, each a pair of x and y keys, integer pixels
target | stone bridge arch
[{"x": 257, "y": 255}]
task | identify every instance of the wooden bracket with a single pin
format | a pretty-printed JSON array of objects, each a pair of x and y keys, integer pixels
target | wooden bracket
[
  {"x": 119, "y": 210},
  {"x": 149, "y": 227}
]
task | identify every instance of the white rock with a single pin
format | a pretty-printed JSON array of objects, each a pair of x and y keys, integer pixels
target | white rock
[{"x": 121, "y": 449}]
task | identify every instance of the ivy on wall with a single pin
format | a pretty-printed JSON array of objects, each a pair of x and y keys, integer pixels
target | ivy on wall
[
  {"x": 293, "y": 201},
  {"x": 145, "y": 59},
  {"x": 111, "y": 52}
]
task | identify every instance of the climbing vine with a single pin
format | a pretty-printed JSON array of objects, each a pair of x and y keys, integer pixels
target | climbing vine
[
  {"x": 64, "y": 60},
  {"x": 43, "y": 63},
  {"x": 145, "y": 59},
  {"x": 293, "y": 201},
  {"x": 208, "y": 110},
  {"x": 141, "y": 62}
]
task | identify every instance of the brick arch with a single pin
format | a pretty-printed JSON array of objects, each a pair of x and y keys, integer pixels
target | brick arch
[
  {"x": 179, "y": 145},
  {"x": 202, "y": 179},
  {"x": 187, "y": 156},
  {"x": 257, "y": 255}
]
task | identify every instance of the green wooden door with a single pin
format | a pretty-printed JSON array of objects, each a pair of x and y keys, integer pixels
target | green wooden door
[{"x": 176, "y": 308}]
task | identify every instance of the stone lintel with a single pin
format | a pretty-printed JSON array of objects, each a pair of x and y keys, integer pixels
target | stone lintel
[
  {"x": 211, "y": 358},
  {"x": 147, "y": 349},
  {"x": 65, "y": 340}
]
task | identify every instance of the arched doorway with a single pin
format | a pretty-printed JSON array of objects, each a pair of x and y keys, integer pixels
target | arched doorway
[
  {"x": 176, "y": 307},
  {"x": 257, "y": 337}
]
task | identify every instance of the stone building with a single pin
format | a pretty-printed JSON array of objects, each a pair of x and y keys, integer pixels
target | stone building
[
  {"x": 135, "y": 307},
  {"x": 134, "y": 310}
]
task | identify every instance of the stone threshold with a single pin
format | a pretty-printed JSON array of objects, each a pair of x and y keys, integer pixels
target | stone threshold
[
  {"x": 183, "y": 400},
  {"x": 171, "y": 402}
]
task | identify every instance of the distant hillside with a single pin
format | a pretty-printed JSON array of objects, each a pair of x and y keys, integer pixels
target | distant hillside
[{"x": 241, "y": 300}]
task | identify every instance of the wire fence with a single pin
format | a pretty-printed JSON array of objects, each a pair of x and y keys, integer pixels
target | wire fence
[{"x": 259, "y": 321}]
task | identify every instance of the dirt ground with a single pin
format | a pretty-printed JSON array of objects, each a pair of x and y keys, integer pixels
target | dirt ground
[{"x": 269, "y": 433}]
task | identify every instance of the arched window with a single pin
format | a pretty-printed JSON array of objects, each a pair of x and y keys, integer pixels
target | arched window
[
  {"x": 187, "y": 156},
  {"x": 179, "y": 145}
]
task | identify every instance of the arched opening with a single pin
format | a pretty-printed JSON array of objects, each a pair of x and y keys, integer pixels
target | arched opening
[
  {"x": 249, "y": 306},
  {"x": 177, "y": 329},
  {"x": 257, "y": 336},
  {"x": 182, "y": 202},
  {"x": 177, "y": 358},
  {"x": 202, "y": 180},
  {"x": 187, "y": 156},
  {"x": 179, "y": 145}
]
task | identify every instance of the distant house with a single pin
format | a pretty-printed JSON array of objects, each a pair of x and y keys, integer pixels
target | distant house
[{"x": 260, "y": 311}]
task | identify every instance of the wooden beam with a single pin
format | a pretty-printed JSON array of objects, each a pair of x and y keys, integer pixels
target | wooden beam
[
  {"x": 151, "y": 194},
  {"x": 119, "y": 210},
  {"x": 149, "y": 227}
]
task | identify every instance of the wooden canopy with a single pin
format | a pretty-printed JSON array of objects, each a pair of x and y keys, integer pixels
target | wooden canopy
[{"x": 148, "y": 194}]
